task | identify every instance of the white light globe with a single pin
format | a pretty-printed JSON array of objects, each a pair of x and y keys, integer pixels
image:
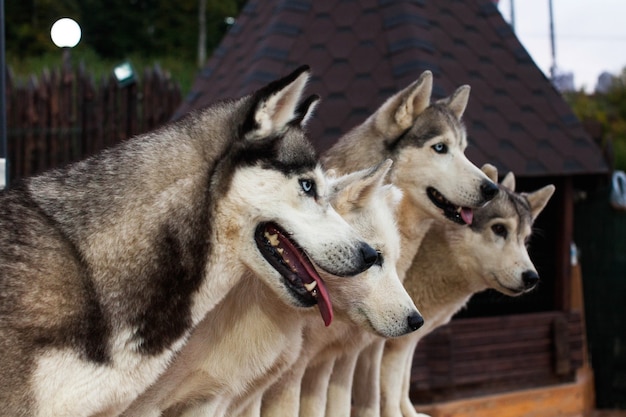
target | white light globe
[{"x": 65, "y": 33}]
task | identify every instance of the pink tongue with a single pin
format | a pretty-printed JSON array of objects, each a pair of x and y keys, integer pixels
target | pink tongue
[
  {"x": 467, "y": 215},
  {"x": 323, "y": 303},
  {"x": 308, "y": 276},
  {"x": 323, "y": 299}
]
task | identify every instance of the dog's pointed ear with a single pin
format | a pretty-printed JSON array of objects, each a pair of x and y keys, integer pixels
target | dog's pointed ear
[
  {"x": 305, "y": 110},
  {"x": 274, "y": 106},
  {"x": 509, "y": 181},
  {"x": 331, "y": 173},
  {"x": 380, "y": 171},
  {"x": 371, "y": 180},
  {"x": 398, "y": 112},
  {"x": 414, "y": 100},
  {"x": 457, "y": 102},
  {"x": 490, "y": 171},
  {"x": 358, "y": 188},
  {"x": 539, "y": 199}
]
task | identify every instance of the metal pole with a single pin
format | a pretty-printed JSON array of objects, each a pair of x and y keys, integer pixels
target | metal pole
[
  {"x": 552, "y": 43},
  {"x": 4, "y": 159},
  {"x": 513, "y": 15}
]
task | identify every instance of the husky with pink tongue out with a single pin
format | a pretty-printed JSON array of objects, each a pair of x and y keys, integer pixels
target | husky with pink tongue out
[
  {"x": 296, "y": 267},
  {"x": 427, "y": 142},
  {"x": 256, "y": 336}
]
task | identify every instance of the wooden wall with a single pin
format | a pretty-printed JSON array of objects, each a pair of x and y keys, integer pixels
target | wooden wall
[
  {"x": 486, "y": 355},
  {"x": 65, "y": 114}
]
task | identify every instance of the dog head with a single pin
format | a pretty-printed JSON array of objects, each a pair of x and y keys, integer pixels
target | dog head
[
  {"x": 427, "y": 143},
  {"x": 276, "y": 209},
  {"x": 431, "y": 164},
  {"x": 375, "y": 299},
  {"x": 497, "y": 239}
]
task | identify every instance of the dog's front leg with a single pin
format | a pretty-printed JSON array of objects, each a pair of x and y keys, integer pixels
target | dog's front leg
[
  {"x": 366, "y": 382},
  {"x": 314, "y": 389},
  {"x": 282, "y": 399},
  {"x": 339, "y": 399},
  {"x": 395, "y": 377},
  {"x": 252, "y": 409}
]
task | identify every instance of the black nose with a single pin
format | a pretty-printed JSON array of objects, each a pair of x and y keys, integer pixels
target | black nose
[
  {"x": 415, "y": 321},
  {"x": 488, "y": 190},
  {"x": 369, "y": 254},
  {"x": 530, "y": 279}
]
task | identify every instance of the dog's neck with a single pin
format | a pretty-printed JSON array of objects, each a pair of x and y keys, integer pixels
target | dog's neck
[
  {"x": 264, "y": 324},
  {"x": 413, "y": 225},
  {"x": 224, "y": 269},
  {"x": 439, "y": 280}
]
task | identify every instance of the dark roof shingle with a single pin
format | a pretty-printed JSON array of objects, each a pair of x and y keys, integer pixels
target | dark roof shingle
[{"x": 361, "y": 52}]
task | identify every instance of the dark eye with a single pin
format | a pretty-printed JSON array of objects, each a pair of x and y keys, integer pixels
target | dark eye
[
  {"x": 379, "y": 259},
  {"x": 308, "y": 186},
  {"x": 500, "y": 230},
  {"x": 440, "y": 147}
]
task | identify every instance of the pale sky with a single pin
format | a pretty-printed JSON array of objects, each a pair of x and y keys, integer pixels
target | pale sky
[{"x": 590, "y": 35}]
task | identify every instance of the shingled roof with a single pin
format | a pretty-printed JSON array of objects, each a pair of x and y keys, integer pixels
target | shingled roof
[{"x": 363, "y": 51}]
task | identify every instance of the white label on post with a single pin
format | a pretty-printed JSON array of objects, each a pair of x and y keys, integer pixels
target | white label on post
[{"x": 3, "y": 173}]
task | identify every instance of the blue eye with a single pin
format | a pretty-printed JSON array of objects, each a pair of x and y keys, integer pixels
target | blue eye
[
  {"x": 440, "y": 147},
  {"x": 308, "y": 186}
]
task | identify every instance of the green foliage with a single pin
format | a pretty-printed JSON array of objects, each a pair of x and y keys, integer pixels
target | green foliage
[
  {"x": 181, "y": 71},
  {"x": 144, "y": 31},
  {"x": 28, "y": 24},
  {"x": 609, "y": 112}
]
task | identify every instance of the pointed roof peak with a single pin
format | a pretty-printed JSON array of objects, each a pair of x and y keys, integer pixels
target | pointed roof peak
[{"x": 362, "y": 52}]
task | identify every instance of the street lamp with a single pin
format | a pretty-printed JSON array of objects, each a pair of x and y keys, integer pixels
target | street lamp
[{"x": 65, "y": 34}]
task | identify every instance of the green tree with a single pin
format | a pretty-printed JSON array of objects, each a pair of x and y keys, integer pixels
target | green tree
[
  {"x": 115, "y": 29},
  {"x": 28, "y": 24},
  {"x": 608, "y": 112}
]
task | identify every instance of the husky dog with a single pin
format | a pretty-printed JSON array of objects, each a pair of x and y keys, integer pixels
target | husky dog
[
  {"x": 378, "y": 296},
  {"x": 108, "y": 264},
  {"x": 452, "y": 264},
  {"x": 427, "y": 142},
  {"x": 251, "y": 337}
]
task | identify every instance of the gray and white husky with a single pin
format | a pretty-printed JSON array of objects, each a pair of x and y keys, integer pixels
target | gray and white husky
[
  {"x": 107, "y": 265},
  {"x": 253, "y": 337},
  {"x": 427, "y": 142},
  {"x": 452, "y": 264}
]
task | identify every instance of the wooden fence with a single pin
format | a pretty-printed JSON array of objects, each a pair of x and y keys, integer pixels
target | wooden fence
[{"x": 65, "y": 115}]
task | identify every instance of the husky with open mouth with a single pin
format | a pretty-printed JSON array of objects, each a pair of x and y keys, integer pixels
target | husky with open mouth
[
  {"x": 427, "y": 142},
  {"x": 108, "y": 264},
  {"x": 252, "y": 337},
  {"x": 454, "y": 263}
]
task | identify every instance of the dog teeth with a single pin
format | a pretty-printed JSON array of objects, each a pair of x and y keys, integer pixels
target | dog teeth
[
  {"x": 310, "y": 287},
  {"x": 273, "y": 239}
]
